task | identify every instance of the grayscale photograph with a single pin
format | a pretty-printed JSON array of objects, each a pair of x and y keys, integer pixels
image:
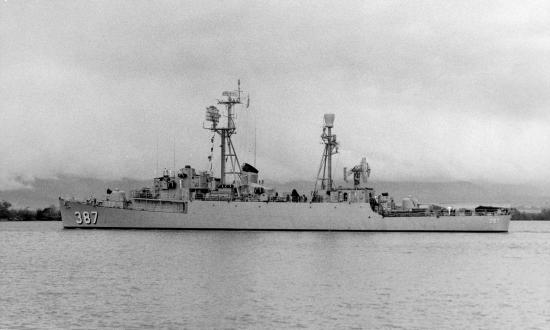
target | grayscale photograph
[{"x": 213, "y": 164}]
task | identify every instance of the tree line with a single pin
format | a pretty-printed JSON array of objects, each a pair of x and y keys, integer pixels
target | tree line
[
  {"x": 543, "y": 215},
  {"x": 46, "y": 214},
  {"x": 52, "y": 213}
]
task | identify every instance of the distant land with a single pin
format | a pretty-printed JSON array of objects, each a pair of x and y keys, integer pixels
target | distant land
[
  {"x": 44, "y": 192},
  {"x": 524, "y": 197}
]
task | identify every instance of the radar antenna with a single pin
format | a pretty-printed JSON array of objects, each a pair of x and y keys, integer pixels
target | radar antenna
[{"x": 360, "y": 173}]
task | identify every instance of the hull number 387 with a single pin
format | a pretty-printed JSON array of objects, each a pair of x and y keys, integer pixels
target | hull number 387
[{"x": 89, "y": 218}]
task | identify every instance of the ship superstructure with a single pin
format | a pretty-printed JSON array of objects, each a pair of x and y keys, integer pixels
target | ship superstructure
[{"x": 237, "y": 199}]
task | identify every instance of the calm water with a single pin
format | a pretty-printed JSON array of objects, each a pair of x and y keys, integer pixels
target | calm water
[{"x": 54, "y": 278}]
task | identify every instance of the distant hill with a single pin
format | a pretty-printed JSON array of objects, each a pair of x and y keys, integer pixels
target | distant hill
[
  {"x": 45, "y": 192},
  {"x": 457, "y": 192}
]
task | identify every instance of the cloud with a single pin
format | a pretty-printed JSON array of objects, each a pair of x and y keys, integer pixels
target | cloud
[{"x": 427, "y": 90}]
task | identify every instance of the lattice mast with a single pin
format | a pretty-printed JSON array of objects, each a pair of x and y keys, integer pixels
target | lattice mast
[
  {"x": 228, "y": 154},
  {"x": 324, "y": 175}
]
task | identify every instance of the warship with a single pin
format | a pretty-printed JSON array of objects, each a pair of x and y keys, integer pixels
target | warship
[{"x": 238, "y": 199}]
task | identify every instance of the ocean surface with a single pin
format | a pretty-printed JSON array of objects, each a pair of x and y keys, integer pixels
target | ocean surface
[{"x": 134, "y": 279}]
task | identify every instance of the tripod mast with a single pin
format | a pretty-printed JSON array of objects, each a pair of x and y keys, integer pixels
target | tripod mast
[{"x": 331, "y": 148}]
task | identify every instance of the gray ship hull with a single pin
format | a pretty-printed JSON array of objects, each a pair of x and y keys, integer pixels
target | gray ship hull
[{"x": 272, "y": 216}]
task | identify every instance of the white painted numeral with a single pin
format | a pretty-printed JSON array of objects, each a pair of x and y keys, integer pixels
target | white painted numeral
[
  {"x": 86, "y": 217},
  {"x": 78, "y": 217},
  {"x": 89, "y": 218}
]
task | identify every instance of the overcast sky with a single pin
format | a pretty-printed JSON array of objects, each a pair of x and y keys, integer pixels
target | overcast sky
[{"x": 426, "y": 90}]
